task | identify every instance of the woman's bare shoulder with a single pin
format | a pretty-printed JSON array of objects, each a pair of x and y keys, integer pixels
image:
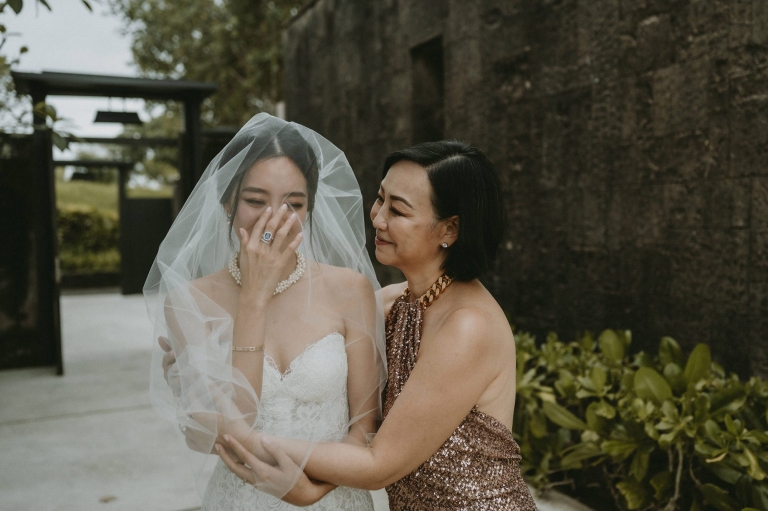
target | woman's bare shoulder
[{"x": 477, "y": 316}]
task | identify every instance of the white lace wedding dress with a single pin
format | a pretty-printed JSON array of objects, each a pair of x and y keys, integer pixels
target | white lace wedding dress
[{"x": 308, "y": 401}]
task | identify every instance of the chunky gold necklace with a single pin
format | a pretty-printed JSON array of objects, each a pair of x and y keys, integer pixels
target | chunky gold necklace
[{"x": 433, "y": 293}]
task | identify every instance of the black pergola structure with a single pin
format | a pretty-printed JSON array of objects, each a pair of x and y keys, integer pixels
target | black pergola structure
[{"x": 41, "y": 85}]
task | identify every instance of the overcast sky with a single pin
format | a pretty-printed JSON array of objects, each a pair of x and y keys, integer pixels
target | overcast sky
[{"x": 72, "y": 39}]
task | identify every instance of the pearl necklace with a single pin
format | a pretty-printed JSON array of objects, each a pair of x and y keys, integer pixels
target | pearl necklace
[{"x": 301, "y": 265}]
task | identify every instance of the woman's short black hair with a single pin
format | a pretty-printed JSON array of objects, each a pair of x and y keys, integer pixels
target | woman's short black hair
[
  {"x": 284, "y": 141},
  {"x": 464, "y": 183}
]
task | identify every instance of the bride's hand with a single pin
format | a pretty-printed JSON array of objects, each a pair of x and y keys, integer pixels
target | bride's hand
[
  {"x": 262, "y": 263},
  {"x": 284, "y": 479}
]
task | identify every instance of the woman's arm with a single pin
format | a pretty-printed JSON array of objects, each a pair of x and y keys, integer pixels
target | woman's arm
[{"x": 451, "y": 375}]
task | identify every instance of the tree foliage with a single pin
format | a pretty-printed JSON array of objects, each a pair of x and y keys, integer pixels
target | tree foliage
[
  {"x": 15, "y": 114},
  {"x": 235, "y": 43}
]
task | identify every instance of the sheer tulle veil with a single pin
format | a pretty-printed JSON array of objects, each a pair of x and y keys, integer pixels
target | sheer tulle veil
[{"x": 204, "y": 393}]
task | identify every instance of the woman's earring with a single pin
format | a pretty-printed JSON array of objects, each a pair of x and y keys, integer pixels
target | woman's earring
[{"x": 444, "y": 245}]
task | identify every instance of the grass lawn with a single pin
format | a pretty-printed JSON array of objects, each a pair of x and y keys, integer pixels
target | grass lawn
[{"x": 102, "y": 196}]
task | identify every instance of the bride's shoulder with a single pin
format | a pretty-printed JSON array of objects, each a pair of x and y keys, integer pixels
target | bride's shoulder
[
  {"x": 344, "y": 281},
  {"x": 211, "y": 284},
  {"x": 201, "y": 290}
]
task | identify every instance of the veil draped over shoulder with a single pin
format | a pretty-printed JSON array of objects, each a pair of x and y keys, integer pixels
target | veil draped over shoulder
[{"x": 205, "y": 396}]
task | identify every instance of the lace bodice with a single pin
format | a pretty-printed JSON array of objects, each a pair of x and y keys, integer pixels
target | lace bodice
[{"x": 307, "y": 401}]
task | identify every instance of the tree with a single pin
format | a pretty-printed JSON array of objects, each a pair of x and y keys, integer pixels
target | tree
[
  {"x": 14, "y": 110},
  {"x": 235, "y": 43}
]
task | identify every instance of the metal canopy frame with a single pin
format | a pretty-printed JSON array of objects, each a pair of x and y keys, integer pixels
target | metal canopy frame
[{"x": 41, "y": 85}]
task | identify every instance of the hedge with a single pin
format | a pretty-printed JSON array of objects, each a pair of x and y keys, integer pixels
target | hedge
[{"x": 641, "y": 431}]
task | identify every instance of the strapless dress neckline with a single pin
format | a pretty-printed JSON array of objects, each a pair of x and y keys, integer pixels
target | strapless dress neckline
[{"x": 272, "y": 364}]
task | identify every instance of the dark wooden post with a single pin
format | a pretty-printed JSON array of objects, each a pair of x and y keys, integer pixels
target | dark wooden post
[
  {"x": 193, "y": 133},
  {"x": 49, "y": 275}
]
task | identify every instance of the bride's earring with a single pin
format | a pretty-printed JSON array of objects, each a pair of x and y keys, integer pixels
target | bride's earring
[{"x": 444, "y": 245}]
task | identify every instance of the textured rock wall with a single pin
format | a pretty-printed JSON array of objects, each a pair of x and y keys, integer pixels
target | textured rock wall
[{"x": 631, "y": 136}]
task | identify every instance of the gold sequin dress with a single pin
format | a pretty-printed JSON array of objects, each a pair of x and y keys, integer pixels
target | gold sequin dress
[{"x": 477, "y": 468}]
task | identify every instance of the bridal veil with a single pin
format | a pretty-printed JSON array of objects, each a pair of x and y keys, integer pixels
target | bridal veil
[{"x": 206, "y": 393}]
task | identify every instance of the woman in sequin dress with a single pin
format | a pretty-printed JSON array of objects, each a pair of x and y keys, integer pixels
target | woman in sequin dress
[{"x": 446, "y": 440}]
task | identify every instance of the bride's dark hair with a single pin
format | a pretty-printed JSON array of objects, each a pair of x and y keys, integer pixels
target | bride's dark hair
[{"x": 265, "y": 144}]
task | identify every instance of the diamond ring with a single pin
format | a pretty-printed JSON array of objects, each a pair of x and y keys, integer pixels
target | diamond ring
[{"x": 267, "y": 237}]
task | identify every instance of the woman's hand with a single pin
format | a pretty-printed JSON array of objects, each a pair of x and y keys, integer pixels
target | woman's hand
[
  {"x": 278, "y": 478},
  {"x": 170, "y": 371},
  {"x": 262, "y": 263}
]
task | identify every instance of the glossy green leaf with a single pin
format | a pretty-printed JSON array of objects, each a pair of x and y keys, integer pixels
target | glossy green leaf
[
  {"x": 662, "y": 484},
  {"x": 718, "y": 498},
  {"x": 595, "y": 421},
  {"x": 670, "y": 352},
  {"x": 611, "y": 346},
  {"x": 562, "y": 417},
  {"x": 674, "y": 375},
  {"x": 754, "y": 470},
  {"x": 16, "y": 5},
  {"x": 598, "y": 376},
  {"x": 713, "y": 431},
  {"x": 580, "y": 452},
  {"x": 639, "y": 466},
  {"x": 634, "y": 493},
  {"x": 724, "y": 472},
  {"x": 603, "y": 409},
  {"x": 699, "y": 365},
  {"x": 60, "y": 142},
  {"x": 618, "y": 449},
  {"x": 728, "y": 399},
  {"x": 649, "y": 384},
  {"x": 538, "y": 424}
]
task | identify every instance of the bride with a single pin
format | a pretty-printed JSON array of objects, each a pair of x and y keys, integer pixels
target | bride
[{"x": 262, "y": 295}]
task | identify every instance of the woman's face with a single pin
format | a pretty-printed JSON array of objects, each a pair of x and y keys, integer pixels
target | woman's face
[
  {"x": 271, "y": 183},
  {"x": 407, "y": 232}
]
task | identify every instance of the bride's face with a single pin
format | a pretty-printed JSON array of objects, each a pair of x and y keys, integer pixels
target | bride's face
[{"x": 271, "y": 183}]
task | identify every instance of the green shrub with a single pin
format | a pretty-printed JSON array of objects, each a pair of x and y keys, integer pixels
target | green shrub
[
  {"x": 87, "y": 229},
  {"x": 656, "y": 432},
  {"x": 106, "y": 261},
  {"x": 89, "y": 239}
]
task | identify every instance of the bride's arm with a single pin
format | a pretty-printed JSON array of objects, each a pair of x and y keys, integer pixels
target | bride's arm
[
  {"x": 260, "y": 265},
  {"x": 365, "y": 375}
]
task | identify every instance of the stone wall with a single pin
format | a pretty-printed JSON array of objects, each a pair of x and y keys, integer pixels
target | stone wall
[{"x": 631, "y": 136}]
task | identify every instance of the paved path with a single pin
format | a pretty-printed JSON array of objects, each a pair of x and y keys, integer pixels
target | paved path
[{"x": 89, "y": 440}]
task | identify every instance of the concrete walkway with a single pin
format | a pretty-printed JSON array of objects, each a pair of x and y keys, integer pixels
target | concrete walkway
[{"x": 90, "y": 441}]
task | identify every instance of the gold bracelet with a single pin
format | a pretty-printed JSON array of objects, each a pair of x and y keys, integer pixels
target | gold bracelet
[{"x": 248, "y": 348}]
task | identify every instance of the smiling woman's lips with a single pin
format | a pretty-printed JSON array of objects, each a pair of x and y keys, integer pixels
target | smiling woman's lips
[{"x": 380, "y": 241}]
